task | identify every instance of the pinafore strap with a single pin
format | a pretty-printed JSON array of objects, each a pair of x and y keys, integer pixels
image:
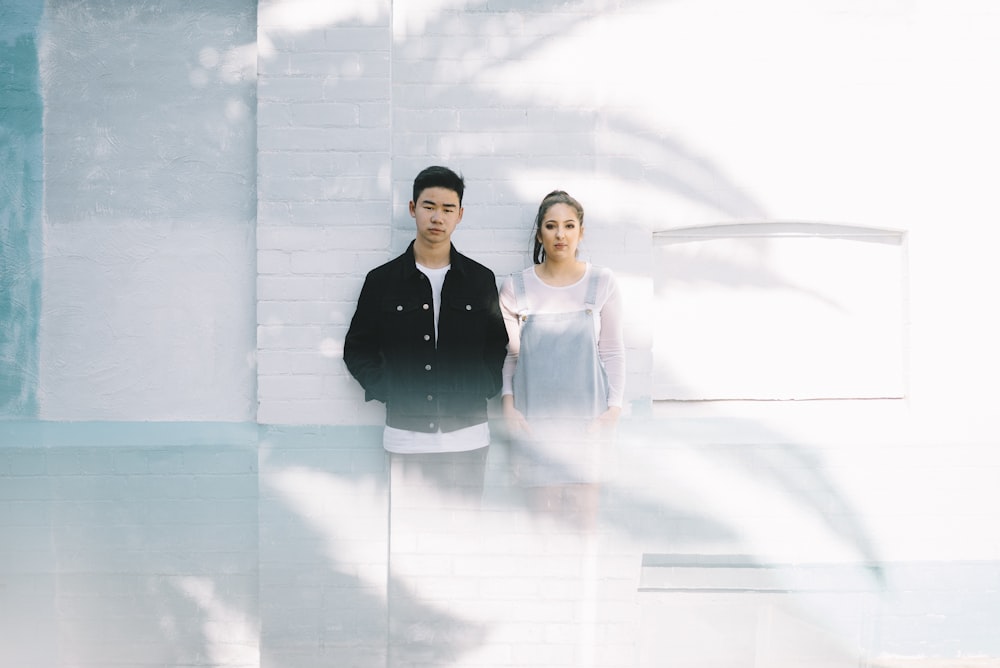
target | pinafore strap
[
  {"x": 520, "y": 295},
  {"x": 590, "y": 301}
]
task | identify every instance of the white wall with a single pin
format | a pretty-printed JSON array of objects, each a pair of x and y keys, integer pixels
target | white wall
[
  {"x": 148, "y": 273},
  {"x": 214, "y": 197},
  {"x": 862, "y": 115},
  {"x": 658, "y": 116},
  {"x": 324, "y": 151}
]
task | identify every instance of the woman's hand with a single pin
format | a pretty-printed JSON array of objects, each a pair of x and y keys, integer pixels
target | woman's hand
[
  {"x": 514, "y": 418},
  {"x": 606, "y": 421}
]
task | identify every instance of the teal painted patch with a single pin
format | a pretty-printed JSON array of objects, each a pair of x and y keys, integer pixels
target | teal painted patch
[{"x": 20, "y": 208}]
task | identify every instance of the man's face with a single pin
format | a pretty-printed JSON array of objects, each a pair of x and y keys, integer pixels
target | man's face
[{"x": 437, "y": 213}]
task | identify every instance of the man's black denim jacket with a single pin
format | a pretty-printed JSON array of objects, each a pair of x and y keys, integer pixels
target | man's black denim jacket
[{"x": 390, "y": 349}]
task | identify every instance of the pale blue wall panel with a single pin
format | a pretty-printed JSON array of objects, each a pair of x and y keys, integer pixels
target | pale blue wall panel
[{"x": 20, "y": 208}]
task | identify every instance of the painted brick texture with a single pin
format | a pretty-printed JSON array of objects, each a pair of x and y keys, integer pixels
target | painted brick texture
[
  {"x": 348, "y": 112},
  {"x": 295, "y": 543},
  {"x": 324, "y": 143},
  {"x": 118, "y": 539},
  {"x": 236, "y": 546}
]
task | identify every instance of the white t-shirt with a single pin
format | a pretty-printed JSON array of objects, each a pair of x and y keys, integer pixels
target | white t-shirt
[
  {"x": 436, "y": 278},
  {"x": 545, "y": 298},
  {"x": 403, "y": 441}
]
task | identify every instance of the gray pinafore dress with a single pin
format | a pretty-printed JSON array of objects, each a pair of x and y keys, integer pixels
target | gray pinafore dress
[{"x": 560, "y": 386}]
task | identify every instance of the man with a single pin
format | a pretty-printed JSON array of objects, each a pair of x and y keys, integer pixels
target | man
[{"x": 428, "y": 340}]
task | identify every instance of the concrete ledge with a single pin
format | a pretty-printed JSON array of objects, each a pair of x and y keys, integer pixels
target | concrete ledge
[
  {"x": 37, "y": 433},
  {"x": 740, "y": 573}
]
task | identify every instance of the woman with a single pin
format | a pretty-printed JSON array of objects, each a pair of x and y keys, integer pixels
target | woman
[{"x": 564, "y": 375}]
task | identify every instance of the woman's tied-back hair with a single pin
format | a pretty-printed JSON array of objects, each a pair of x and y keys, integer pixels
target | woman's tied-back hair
[
  {"x": 554, "y": 197},
  {"x": 438, "y": 177}
]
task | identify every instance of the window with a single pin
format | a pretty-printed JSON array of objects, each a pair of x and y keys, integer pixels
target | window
[{"x": 775, "y": 311}]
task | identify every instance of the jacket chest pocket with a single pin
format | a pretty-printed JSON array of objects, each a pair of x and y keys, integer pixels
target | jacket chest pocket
[
  {"x": 466, "y": 307},
  {"x": 404, "y": 317},
  {"x": 464, "y": 316},
  {"x": 402, "y": 307}
]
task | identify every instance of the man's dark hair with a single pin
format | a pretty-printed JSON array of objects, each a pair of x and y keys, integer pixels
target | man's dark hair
[{"x": 438, "y": 177}]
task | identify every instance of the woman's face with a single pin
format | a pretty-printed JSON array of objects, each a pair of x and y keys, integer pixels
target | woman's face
[{"x": 560, "y": 232}]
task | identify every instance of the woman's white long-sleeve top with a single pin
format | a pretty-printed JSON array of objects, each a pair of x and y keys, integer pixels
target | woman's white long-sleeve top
[{"x": 545, "y": 298}]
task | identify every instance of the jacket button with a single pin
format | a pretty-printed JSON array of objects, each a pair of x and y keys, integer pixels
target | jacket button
[
  {"x": 431, "y": 425},
  {"x": 427, "y": 337},
  {"x": 468, "y": 307},
  {"x": 427, "y": 367},
  {"x": 430, "y": 397},
  {"x": 399, "y": 308},
  {"x": 426, "y": 306}
]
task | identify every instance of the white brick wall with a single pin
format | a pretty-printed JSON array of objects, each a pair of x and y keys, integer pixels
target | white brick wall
[
  {"x": 222, "y": 545},
  {"x": 323, "y": 218},
  {"x": 347, "y": 116},
  {"x": 164, "y": 544},
  {"x": 323, "y": 548},
  {"x": 116, "y": 538}
]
